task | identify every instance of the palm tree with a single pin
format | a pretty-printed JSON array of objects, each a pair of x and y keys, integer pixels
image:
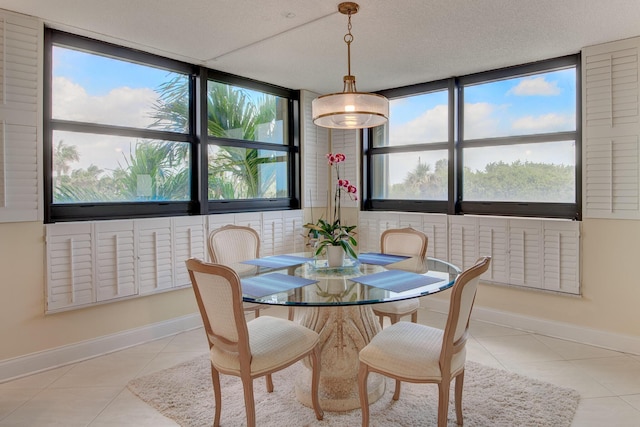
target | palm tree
[{"x": 62, "y": 157}]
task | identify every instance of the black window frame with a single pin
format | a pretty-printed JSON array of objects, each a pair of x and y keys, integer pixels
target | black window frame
[
  {"x": 455, "y": 204},
  {"x": 196, "y": 136}
]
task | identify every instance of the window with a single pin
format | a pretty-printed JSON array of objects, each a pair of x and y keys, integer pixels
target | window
[
  {"x": 409, "y": 156},
  {"x": 127, "y": 134},
  {"x": 516, "y": 145}
]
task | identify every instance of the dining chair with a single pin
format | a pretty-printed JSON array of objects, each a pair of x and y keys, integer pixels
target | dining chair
[
  {"x": 232, "y": 244},
  {"x": 247, "y": 349},
  {"x": 401, "y": 241},
  {"x": 422, "y": 354}
]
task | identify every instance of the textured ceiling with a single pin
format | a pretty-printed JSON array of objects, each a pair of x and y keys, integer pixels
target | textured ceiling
[{"x": 299, "y": 43}]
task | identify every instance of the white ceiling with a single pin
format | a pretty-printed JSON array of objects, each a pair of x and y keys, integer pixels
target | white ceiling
[{"x": 299, "y": 43}]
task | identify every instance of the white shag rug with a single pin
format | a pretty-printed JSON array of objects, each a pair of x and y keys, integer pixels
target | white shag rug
[{"x": 491, "y": 398}]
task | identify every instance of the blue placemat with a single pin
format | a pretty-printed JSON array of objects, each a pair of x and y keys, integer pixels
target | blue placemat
[
  {"x": 396, "y": 280},
  {"x": 380, "y": 259},
  {"x": 278, "y": 261},
  {"x": 272, "y": 283}
]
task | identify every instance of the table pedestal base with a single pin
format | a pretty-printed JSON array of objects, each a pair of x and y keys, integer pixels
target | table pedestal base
[{"x": 344, "y": 331}]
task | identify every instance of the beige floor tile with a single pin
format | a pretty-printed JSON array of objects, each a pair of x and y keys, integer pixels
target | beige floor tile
[
  {"x": 477, "y": 353},
  {"x": 12, "y": 398},
  {"x": 606, "y": 412},
  {"x": 633, "y": 400},
  {"x": 153, "y": 347},
  {"x": 572, "y": 350},
  {"x": 128, "y": 410},
  {"x": 564, "y": 374},
  {"x": 62, "y": 407},
  {"x": 194, "y": 340},
  {"x": 39, "y": 380},
  {"x": 619, "y": 374},
  {"x": 167, "y": 360},
  {"x": 480, "y": 329},
  {"x": 114, "y": 369},
  {"x": 518, "y": 348}
]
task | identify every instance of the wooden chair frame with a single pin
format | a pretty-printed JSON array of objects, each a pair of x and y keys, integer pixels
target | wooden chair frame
[
  {"x": 241, "y": 346},
  {"x": 379, "y": 310},
  {"x": 448, "y": 350}
]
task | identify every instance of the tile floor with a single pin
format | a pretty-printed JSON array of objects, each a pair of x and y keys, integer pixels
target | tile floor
[{"x": 93, "y": 393}]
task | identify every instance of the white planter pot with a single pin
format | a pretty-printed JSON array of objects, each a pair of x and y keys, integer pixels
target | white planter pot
[{"x": 335, "y": 256}]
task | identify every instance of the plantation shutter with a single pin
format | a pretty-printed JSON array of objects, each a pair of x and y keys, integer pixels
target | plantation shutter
[
  {"x": 20, "y": 117},
  {"x": 525, "y": 253},
  {"x": 368, "y": 236},
  {"x": 273, "y": 233},
  {"x": 189, "y": 237},
  {"x": 315, "y": 179},
  {"x": 155, "y": 263},
  {"x": 562, "y": 256},
  {"x": 69, "y": 264},
  {"x": 611, "y": 129},
  {"x": 293, "y": 232},
  {"x": 115, "y": 260},
  {"x": 345, "y": 142},
  {"x": 435, "y": 226},
  {"x": 493, "y": 242},
  {"x": 463, "y": 248}
]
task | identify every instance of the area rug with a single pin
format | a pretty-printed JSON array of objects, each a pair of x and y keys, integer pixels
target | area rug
[{"x": 491, "y": 397}]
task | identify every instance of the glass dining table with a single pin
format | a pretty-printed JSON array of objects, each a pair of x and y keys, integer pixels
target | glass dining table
[{"x": 336, "y": 302}]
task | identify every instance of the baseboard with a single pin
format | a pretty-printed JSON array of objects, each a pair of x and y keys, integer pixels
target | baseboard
[
  {"x": 48, "y": 359},
  {"x": 566, "y": 331}
]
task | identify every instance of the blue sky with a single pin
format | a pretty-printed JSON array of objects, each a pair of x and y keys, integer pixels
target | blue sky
[{"x": 99, "y": 75}]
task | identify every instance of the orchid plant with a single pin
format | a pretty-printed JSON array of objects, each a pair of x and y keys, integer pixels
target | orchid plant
[{"x": 332, "y": 232}]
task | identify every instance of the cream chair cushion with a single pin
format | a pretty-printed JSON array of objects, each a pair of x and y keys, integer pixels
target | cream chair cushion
[
  {"x": 409, "y": 350},
  {"x": 272, "y": 341}
]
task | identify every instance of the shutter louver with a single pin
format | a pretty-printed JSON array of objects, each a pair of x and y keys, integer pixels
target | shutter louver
[
  {"x": 525, "y": 256},
  {"x": 115, "y": 260},
  {"x": 273, "y": 233},
  {"x": 294, "y": 240},
  {"x": 190, "y": 241},
  {"x": 437, "y": 230},
  {"x": 344, "y": 141},
  {"x": 315, "y": 147},
  {"x": 562, "y": 257},
  {"x": 492, "y": 241},
  {"x": 69, "y": 253},
  {"x": 463, "y": 241},
  {"x": 155, "y": 263},
  {"x": 611, "y": 129},
  {"x": 20, "y": 148}
]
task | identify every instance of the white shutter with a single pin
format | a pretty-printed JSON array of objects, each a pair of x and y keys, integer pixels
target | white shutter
[
  {"x": 611, "y": 181},
  {"x": 115, "y": 259},
  {"x": 189, "y": 241},
  {"x": 20, "y": 118},
  {"x": 368, "y": 237},
  {"x": 315, "y": 146},
  {"x": 562, "y": 256},
  {"x": 345, "y": 141},
  {"x": 611, "y": 129},
  {"x": 436, "y": 227},
  {"x": 525, "y": 253},
  {"x": 493, "y": 242},
  {"x": 155, "y": 263},
  {"x": 272, "y": 233},
  {"x": 69, "y": 264},
  {"x": 463, "y": 235},
  {"x": 294, "y": 233}
]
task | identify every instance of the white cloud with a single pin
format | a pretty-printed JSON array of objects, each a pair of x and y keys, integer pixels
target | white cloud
[
  {"x": 545, "y": 123},
  {"x": 431, "y": 126},
  {"x": 535, "y": 86},
  {"x": 478, "y": 120},
  {"x": 123, "y": 106}
]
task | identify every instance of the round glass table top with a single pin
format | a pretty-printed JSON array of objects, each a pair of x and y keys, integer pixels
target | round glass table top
[{"x": 310, "y": 282}]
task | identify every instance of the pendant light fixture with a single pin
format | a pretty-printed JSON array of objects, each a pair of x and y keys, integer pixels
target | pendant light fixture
[{"x": 349, "y": 109}]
